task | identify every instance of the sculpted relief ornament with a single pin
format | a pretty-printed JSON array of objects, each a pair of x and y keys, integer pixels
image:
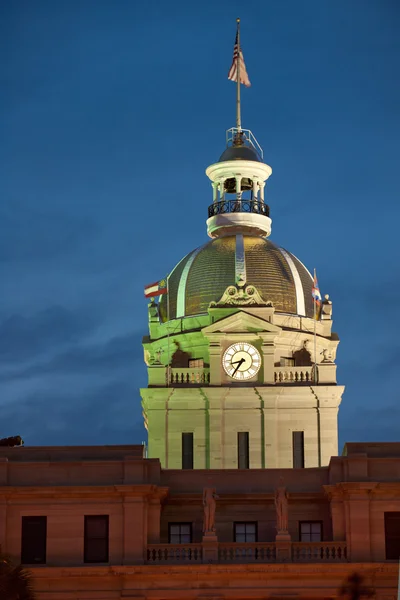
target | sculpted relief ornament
[
  {"x": 240, "y": 296},
  {"x": 209, "y": 506},
  {"x": 282, "y": 509}
]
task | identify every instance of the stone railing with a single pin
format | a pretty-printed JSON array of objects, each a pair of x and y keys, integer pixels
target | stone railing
[
  {"x": 189, "y": 376},
  {"x": 294, "y": 375},
  {"x": 174, "y": 553},
  {"x": 319, "y": 551},
  {"x": 249, "y": 552},
  {"x": 258, "y": 552}
]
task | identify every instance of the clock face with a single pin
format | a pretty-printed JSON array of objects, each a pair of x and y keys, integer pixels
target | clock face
[{"x": 241, "y": 361}]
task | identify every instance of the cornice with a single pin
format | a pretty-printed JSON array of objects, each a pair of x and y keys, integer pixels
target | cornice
[
  {"x": 295, "y": 569},
  {"x": 144, "y": 491}
]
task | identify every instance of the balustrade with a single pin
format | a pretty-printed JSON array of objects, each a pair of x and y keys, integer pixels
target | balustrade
[
  {"x": 236, "y": 205},
  {"x": 189, "y": 376},
  {"x": 319, "y": 551},
  {"x": 293, "y": 375},
  {"x": 178, "y": 553},
  {"x": 258, "y": 552},
  {"x": 249, "y": 552}
]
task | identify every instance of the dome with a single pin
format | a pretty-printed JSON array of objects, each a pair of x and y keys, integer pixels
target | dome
[
  {"x": 239, "y": 153},
  {"x": 204, "y": 274}
]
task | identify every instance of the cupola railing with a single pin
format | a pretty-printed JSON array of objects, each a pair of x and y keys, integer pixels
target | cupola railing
[{"x": 238, "y": 206}]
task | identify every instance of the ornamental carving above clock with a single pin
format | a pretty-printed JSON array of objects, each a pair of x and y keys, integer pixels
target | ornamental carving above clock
[{"x": 241, "y": 361}]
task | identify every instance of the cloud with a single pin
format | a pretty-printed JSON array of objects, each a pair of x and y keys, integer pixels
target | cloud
[
  {"x": 117, "y": 354},
  {"x": 107, "y": 414},
  {"x": 26, "y": 337}
]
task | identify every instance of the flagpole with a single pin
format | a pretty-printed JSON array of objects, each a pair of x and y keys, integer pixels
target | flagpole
[
  {"x": 315, "y": 336},
  {"x": 238, "y": 117},
  {"x": 168, "y": 357}
]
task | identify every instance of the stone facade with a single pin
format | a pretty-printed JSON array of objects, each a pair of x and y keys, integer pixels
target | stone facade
[
  {"x": 205, "y": 401},
  {"x": 349, "y": 500}
]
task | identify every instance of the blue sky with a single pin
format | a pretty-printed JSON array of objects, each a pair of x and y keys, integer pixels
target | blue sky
[{"x": 109, "y": 114}]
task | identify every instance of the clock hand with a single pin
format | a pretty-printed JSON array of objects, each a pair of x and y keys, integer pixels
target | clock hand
[{"x": 241, "y": 361}]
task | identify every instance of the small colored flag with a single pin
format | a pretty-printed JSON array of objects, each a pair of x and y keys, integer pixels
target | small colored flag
[
  {"x": 156, "y": 289},
  {"x": 316, "y": 294},
  {"x": 238, "y": 55}
]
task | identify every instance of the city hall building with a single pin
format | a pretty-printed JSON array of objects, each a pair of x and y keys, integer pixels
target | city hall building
[{"x": 242, "y": 493}]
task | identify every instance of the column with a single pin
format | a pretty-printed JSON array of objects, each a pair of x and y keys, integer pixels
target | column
[
  {"x": 262, "y": 186},
  {"x": 255, "y": 190},
  {"x": 222, "y": 189},
  {"x": 215, "y": 191},
  {"x": 238, "y": 187}
]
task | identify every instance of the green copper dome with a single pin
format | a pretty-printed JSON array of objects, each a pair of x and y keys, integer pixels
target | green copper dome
[{"x": 204, "y": 274}]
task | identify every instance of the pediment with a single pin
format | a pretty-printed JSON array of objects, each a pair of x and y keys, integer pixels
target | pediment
[{"x": 241, "y": 322}]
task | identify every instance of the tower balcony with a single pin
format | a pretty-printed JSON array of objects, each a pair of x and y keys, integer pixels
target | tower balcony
[
  {"x": 160, "y": 376},
  {"x": 238, "y": 206},
  {"x": 228, "y": 217}
]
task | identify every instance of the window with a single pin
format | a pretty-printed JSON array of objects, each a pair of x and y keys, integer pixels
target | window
[
  {"x": 180, "y": 533},
  {"x": 243, "y": 449},
  {"x": 245, "y": 532},
  {"x": 310, "y": 531},
  {"x": 298, "y": 449},
  {"x": 96, "y": 539},
  {"x": 392, "y": 535},
  {"x": 196, "y": 363},
  {"x": 286, "y": 362},
  {"x": 33, "y": 540},
  {"x": 187, "y": 450}
]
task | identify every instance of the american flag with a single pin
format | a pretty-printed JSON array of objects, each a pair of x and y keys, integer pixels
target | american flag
[{"x": 232, "y": 75}]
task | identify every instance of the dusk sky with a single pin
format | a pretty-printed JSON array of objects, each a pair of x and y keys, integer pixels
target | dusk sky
[{"x": 110, "y": 112}]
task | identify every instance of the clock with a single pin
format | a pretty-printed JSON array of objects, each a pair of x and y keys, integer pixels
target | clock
[{"x": 241, "y": 361}]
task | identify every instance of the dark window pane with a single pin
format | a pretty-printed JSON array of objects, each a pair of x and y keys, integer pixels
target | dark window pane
[
  {"x": 97, "y": 528},
  {"x": 180, "y": 533},
  {"x": 96, "y": 539},
  {"x": 305, "y": 528},
  {"x": 187, "y": 450},
  {"x": 185, "y": 528},
  {"x": 33, "y": 540},
  {"x": 311, "y": 531},
  {"x": 243, "y": 450},
  {"x": 250, "y": 528},
  {"x": 97, "y": 550},
  {"x": 392, "y": 535},
  {"x": 298, "y": 449},
  {"x": 175, "y": 529},
  {"x": 245, "y": 532}
]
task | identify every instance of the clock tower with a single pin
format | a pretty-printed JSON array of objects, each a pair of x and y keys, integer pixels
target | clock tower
[{"x": 241, "y": 368}]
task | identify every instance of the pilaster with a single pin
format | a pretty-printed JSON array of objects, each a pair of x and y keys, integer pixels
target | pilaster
[
  {"x": 268, "y": 351},
  {"x": 135, "y": 529},
  {"x": 358, "y": 532},
  {"x": 3, "y": 527},
  {"x": 215, "y": 362}
]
